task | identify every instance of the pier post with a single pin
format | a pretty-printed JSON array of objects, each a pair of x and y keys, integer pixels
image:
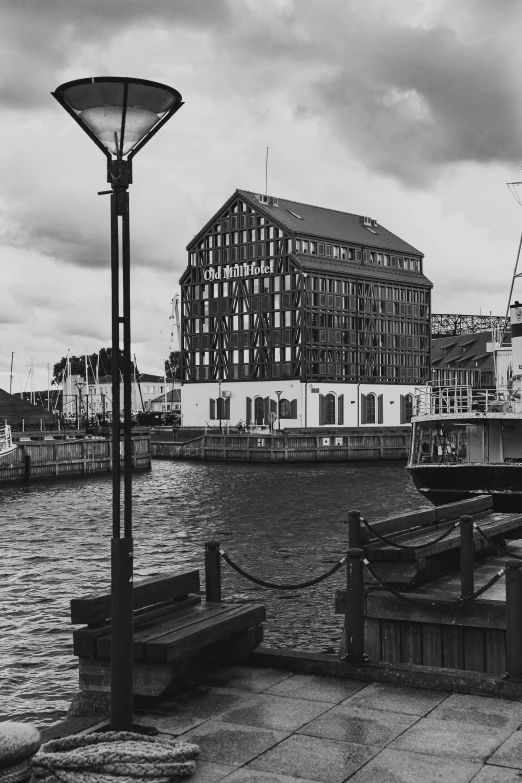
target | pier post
[
  {"x": 354, "y": 529},
  {"x": 212, "y": 572},
  {"x": 513, "y": 625},
  {"x": 354, "y": 617},
  {"x": 27, "y": 467},
  {"x": 467, "y": 555}
]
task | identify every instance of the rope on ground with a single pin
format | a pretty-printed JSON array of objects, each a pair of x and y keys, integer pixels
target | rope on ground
[
  {"x": 17, "y": 773},
  {"x": 389, "y": 542},
  {"x": 275, "y": 586},
  {"x": 494, "y": 546},
  {"x": 436, "y": 603},
  {"x": 115, "y": 757}
]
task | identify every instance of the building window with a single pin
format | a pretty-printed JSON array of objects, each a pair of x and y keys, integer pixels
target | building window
[
  {"x": 370, "y": 409},
  {"x": 285, "y": 409},
  {"x": 327, "y": 409},
  {"x": 406, "y": 408}
]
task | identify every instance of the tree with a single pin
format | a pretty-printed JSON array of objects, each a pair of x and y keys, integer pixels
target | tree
[
  {"x": 173, "y": 365},
  {"x": 77, "y": 365}
]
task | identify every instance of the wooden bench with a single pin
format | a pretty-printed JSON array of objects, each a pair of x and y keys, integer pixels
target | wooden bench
[
  {"x": 408, "y": 567},
  {"x": 175, "y": 635}
]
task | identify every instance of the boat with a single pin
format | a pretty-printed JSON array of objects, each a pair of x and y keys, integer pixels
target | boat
[
  {"x": 468, "y": 442},
  {"x": 7, "y": 447}
]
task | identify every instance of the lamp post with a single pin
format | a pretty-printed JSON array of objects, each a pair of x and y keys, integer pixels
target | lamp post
[
  {"x": 120, "y": 115},
  {"x": 279, "y": 393}
]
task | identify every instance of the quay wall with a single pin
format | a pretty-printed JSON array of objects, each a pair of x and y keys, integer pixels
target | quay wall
[
  {"x": 59, "y": 457},
  {"x": 343, "y": 445}
]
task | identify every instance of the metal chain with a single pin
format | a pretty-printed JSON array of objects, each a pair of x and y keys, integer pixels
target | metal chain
[
  {"x": 494, "y": 546},
  {"x": 389, "y": 542},
  {"x": 274, "y": 586},
  {"x": 456, "y": 602}
]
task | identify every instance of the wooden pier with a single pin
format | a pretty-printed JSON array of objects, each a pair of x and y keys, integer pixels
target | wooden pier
[
  {"x": 51, "y": 455},
  {"x": 317, "y": 446}
]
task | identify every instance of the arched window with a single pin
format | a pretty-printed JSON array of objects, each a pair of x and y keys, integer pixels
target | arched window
[
  {"x": 406, "y": 408},
  {"x": 259, "y": 410},
  {"x": 370, "y": 408},
  {"x": 329, "y": 409},
  {"x": 285, "y": 409}
]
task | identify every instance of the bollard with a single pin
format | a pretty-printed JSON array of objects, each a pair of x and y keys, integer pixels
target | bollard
[
  {"x": 354, "y": 529},
  {"x": 27, "y": 467},
  {"x": 212, "y": 572},
  {"x": 354, "y": 617},
  {"x": 513, "y": 624},
  {"x": 467, "y": 554}
]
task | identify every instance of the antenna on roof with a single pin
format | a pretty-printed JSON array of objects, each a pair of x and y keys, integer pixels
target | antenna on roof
[{"x": 266, "y": 173}]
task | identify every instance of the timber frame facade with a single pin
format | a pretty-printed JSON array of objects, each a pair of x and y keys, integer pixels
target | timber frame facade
[{"x": 278, "y": 291}]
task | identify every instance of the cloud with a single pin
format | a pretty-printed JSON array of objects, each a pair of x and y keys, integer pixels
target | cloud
[{"x": 42, "y": 39}]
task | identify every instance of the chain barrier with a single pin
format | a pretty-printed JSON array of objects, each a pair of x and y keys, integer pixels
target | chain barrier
[
  {"x": 456, "y": 602},
  {"x": 389, "y": 542},
  {"x": 498, "y": 549},
  {"x": 275, "y": 586}
]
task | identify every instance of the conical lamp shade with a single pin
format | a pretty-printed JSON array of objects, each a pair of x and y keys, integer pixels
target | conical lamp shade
[{"x": 119, "y": 113}]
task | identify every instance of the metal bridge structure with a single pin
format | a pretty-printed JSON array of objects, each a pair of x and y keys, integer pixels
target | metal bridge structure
[{"x": 451, "y": 324}]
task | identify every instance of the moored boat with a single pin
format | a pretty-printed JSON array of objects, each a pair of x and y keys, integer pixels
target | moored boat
[
  {"x": 7, "y": 447},
  {"x": 467, "y": 442}
]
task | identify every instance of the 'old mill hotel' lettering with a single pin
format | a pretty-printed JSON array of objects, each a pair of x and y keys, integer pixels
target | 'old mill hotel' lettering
[{"x": 238, "y": 270}]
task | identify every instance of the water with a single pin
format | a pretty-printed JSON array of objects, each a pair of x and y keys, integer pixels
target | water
[{"x": 283, "y": 523}]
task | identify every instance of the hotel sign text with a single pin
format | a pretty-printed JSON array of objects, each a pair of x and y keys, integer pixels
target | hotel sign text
[{"x": 238, "y": 270}]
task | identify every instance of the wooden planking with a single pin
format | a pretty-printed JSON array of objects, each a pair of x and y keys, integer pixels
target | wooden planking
[
  {"x": 96, "y": 607},
  {"x": 474, "y": 649},
  {"x": 495, "y": 651},
  {"x": 372, "y": 638},
  {"x": 183, "y": 641},
  {"x": 482, "y": 613},
  {"x": 452, "y": 647},
  {"x": 391, "y": 641},
  {"x": 431, "y": 644},
  {"x": 411, "y": 643},
  {"x": 85, "y": 640}
]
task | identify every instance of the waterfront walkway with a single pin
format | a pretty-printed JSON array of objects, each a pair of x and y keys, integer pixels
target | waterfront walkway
[{"x": 269, "y": 726}]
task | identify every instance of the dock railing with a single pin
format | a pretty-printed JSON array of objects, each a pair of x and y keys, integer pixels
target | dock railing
[{"x": 353, "y": 646}]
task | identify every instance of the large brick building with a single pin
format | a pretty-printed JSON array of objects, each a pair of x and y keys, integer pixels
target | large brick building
[{"x": 324, "y": 310}]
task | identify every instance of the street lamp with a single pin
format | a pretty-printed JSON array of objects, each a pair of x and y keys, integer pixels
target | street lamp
[
  {"x": 279, "y": 393},
  {"x": 120, "y": 115}
]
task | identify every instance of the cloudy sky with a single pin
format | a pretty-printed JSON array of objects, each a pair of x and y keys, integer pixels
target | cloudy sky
[{"x": 408, "y": 111}]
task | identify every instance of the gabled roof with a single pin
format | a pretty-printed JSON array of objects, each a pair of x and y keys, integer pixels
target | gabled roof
[
  {"x": 13, "y": 409},
  {"x": 319, "y": 222},
  {"x": 174, "y": 395},
  {"x": 330, "y": 224},
  {"x": 382, "y": 273},
  {"x": 447, "y": 352}
]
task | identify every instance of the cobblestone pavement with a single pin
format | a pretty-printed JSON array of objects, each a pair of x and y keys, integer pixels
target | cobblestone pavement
[{"x": 268, "y": 726}]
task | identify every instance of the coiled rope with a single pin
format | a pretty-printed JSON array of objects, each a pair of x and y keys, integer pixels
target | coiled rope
[
  {"x": 275, "y": 586},
  {"x": 498, "y": 549},
  {"x": 389, "y": 541},
  {"x": 457, "y": 602},
  {"x": 17, "y": 773},
  {"x": 115, "y": 757}
]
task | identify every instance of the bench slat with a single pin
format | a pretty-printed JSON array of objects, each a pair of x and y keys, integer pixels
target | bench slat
[
  {"x": 191, "y": 639},
  {"x": 96, "y": 607},
  {"x": 85, "y": 640}
]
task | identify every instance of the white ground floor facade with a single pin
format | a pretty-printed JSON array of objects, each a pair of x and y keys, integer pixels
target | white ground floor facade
[{"x": 300, "y": 404}]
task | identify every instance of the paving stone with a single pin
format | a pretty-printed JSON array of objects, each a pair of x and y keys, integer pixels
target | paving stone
[
  {"x": 411, "y": 701},
  {"x": 192, "y": 708},
  {"x": 509, "y": 754},
  {"x": 228, "y": 743},
  {"x": 247, "y": 775},
  {"x": 314, "y": 758},
  {"x": 209, "y": 772},
  {"x": 479, "y": 710},
  {"x": 303, "y": 686},
  {"x": 397, "y": 766},
  {"x": 449, "y": 738},
  {"x": 491, "y": 774},
  {"x": 353, "y": 724},
  {"x": 275, "y": 712},
  {"x": 246, "y": 678}
]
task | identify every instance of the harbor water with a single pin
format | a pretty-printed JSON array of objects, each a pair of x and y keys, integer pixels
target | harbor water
[{"x": 281, "y": 522}]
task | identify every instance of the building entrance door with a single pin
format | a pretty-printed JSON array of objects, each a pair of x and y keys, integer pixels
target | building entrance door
[{"x": 259, "y": 410}]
